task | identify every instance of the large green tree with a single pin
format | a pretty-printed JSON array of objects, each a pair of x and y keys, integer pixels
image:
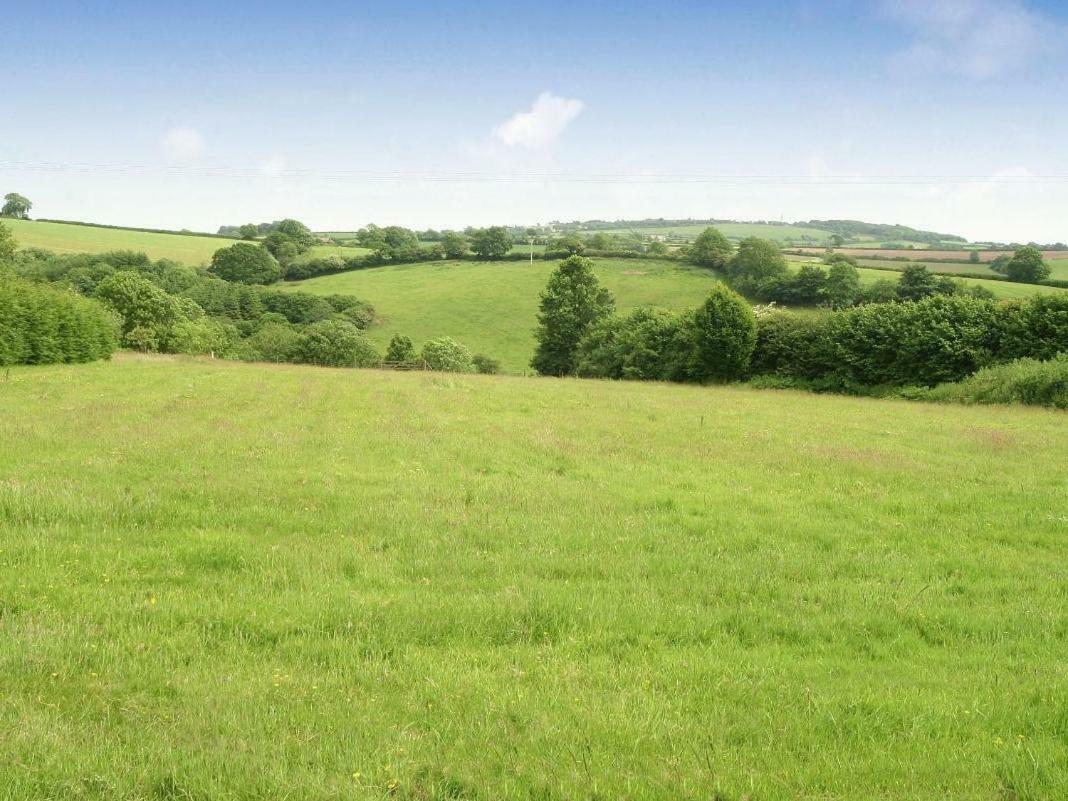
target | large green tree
[
  {"x": 571, "y": 303},
  {"x": 491, "y": 243},
  {"x": 724, "y": 336},
  {"x": 454, "y": 245},
  {"x": 710, "y": 249},
  {"x": 1027, "y": 266},
  {"x": 245, "y": 263},
  {"x": 17, "y": 206}
]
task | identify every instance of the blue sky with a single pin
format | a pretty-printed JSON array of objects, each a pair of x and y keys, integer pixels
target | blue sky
[{"x": 946, "y": 114}]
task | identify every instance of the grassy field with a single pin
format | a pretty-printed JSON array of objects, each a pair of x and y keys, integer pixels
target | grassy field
[
  {"x": 186, "y": 248},
  {"x": 229, "y": 581},
  {"x": 925, "y": 255},
  {"x": 492, "y": 306}
]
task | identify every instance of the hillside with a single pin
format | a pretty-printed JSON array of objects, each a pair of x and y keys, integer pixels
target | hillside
[
  {"x": 187, "y": 248},
  {"x": 492, "y": 306},
  {"x": 376, "y": 585}
]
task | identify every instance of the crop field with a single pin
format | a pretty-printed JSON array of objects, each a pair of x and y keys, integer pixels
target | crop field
[
  {"x": 188, "y": 249},
  {"x": 231, "y": 581},
  {"x": 492, "y": 306}
]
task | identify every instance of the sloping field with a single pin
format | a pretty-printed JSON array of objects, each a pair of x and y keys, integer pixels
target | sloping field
[
  {"x": 188, "y": 249},
  {"x": 492, "y": 306},
  {"x": 233, "y": 581},
  {"x": 1006, "y": 290}
]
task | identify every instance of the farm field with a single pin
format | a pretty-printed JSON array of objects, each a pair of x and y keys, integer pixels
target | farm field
[
  {"x": 736, "y": 231},
  {"x": 190, "y": 249},
  {"x": 926, "y": 255},
  {"x": 1006, "y": 290},
  {"x": 224, "y": 580},
  {"x": 492, "y": 306}
]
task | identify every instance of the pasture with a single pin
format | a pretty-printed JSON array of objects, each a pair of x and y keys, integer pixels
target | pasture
[
  {"x": 191, "y": 249},
  {"x": 1003, "y": 290},
  {"x": 233, "y": 581},
  {"x": 492, "y": 306},
  {"x": 928, "y": 255}
]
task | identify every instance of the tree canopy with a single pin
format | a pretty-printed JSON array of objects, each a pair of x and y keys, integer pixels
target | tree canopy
[
  {"x": 245, "y": 263},
  {"x": 491, "y": 243},
  {"x": 1027, "y": 266},
  {"x": 16, "y": 205},
  {"x": 710, "y": 249}
]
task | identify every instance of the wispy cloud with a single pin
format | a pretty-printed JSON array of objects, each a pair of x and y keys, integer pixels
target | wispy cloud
[
  {"x": 980, "y": 39},
  {"x": 542, "y": 125},
  {"x": 183, "y": 144}
]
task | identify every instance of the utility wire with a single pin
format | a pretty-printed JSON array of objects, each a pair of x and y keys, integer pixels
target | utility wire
[{"x": 474, "y": 176}]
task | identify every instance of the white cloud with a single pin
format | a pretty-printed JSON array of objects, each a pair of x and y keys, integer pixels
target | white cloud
[
  {"x": 980, "y": 39},
  {"x": 183, "y": 144},
  {"x": 542, "y": 125},
  {"x": 273, "y": 167}
]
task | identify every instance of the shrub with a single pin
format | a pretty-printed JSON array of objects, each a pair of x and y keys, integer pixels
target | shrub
[
  {"x": 336, "y": 343},
  {"x": 447, "y": 355},
  {"x": 245, "y": 263},
  {"x": 7, "y": 243},
  {"x": 139, "y": 303},
  {"x": 645, "y": 345},
  {"x": 724, "y": 335},
  {"x": 358, "y": 312},
  {"x": 297, "y": 307},
  {"x": 491, "y": 243},
  {"x": 274, "y": 342},
  {"x": 400, "y": 350},
  {"x": 43, "y": 325},
  {"x": 220, "y": 298},
  {"x": 200, "y": 337},
  {"x": 792, "y": 345},
  {"x": 1030, "y": 381},
  {"x": 1035, "y": 328},
  {"x": 842, "y": 288},
  {"x": 485, "y": 365}
]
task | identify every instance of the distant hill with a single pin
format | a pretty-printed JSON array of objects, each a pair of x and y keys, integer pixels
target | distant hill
[{"x": 855, "y": 229}]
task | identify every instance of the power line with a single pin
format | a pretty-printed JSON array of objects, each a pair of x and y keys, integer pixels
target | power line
[{"x": 475, "y": 176}]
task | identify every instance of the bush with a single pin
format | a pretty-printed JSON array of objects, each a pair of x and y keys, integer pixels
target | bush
[
  {"x": 400, "y": 350},
  {"x": 647, "y": 344},
  {"x": 42, "y": 325},
  {"x": 245, "y": 263},
  {"x": 1035, "y": 328},
  {"x": 1027, "y": 266},
  {"x": 274, "y": 342},
  {"x": 724, "y": 335},
  {"x": 792, "y": 345},
  {"x": 485, "y": 365},
  {"x": 447, "y": 355},
  {"x": 140, "y": 304},
  {"x": 297, "y": 307},
  {"x": 335, "y": 343},
  {"x": 1029, "y": 381}
]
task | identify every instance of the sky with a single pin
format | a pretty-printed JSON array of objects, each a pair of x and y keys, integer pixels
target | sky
[{"x": 940, "y": 114}]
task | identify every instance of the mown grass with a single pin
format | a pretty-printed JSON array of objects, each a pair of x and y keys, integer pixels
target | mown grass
[
  {"x": 188, "y": 249},
  {"x": 232, "y": 581},
  {"x": 492, "y": 306}
]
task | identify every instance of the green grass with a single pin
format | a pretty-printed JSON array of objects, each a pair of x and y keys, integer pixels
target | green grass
[
  {"x": 188, "y": 249},
  {"x": 228, "y": 581},
  {"x": 1006, "y": 290},
  {"x": 492, "y": 306}
]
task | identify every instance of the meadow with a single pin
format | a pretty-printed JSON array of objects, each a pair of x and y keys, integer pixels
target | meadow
[
  {"x": 234, "y": 581},
  {"x": 492, "y": 306},
  {"x": 927, "y": 255},
  {"x": 1003, "y": 290},
  {"x": 191, "y": 249}
]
